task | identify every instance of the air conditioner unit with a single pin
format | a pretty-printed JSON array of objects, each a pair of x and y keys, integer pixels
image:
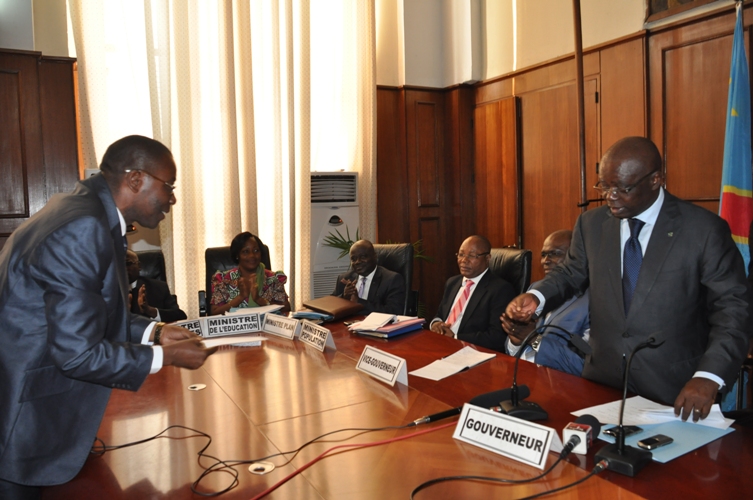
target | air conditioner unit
[{"x": 334, "y": 208}]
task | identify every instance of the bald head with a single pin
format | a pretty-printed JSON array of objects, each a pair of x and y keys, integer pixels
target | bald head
[
  {"x": 363, "y": 257},
  {"x": 630, "y": 176},
  {"x": 473, "y": 256},
  {"x": 555, "y": 249}
]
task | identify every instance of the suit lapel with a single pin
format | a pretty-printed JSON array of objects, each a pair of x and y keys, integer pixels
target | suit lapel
[
  {"x": 476, "y": 297},
  {"x": 611, "y": 248},
  {"x": 662, "y": 239},
  {"x": 375, "y": 281}
]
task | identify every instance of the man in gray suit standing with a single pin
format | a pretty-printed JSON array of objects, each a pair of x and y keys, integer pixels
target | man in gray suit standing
[
  {"x": 657, "y": 267},
  {"x": 66, "y": 332}
]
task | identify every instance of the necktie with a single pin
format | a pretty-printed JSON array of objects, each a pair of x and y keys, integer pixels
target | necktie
[
  {"x": 631, "y": 262},
  {"x": 457, "y": 309},
  {"x": 361, "y": 287}
]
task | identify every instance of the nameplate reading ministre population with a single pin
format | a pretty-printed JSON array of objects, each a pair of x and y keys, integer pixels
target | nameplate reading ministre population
[
  {"x": 282, "y": 326},
  {"x": 383, "y": 366},
  {"x": 316, "y": 336},
  {"x": 507, "y": 436}
]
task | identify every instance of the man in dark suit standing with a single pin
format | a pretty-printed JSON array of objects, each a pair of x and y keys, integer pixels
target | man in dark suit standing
[
  {"x": 66, "y": 332},
  {"x": 657, "y": 267},
  {"x": 150, "y": 297},
  {"x": 474, "y": 300},
  {"x": 377, "y": 288}
]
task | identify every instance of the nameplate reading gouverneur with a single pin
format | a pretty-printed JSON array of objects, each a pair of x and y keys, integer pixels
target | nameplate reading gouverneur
[
  {"x": 235, "y": 324},
  {"x": 508, "y": 436},
  {"x": 281, "y": 326},
  {"x": 383, "y": 366},
  {"x": 316, "y": 336}
]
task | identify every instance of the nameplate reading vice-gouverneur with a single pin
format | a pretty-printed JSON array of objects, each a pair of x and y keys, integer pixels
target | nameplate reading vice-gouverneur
[
  {"x": 383, "y": 366},
  {"x": 316, "y": 336}
]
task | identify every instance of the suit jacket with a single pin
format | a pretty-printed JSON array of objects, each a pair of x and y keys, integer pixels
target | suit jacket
[
  {"x": 555, "y": 351},
  {"x": 158, "y": 296},
  {"x": 66, "y": 334},
  {"x": 386, "y": 293},
  {"x": 480, "y": 324},
  {"x": 690, "y": 294}
]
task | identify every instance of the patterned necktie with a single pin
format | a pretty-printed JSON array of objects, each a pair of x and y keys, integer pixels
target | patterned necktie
[
  {"x": 361, "y": 287},
  {"x": 460, "y": 304},
  {"x": 631, "y": 262}
]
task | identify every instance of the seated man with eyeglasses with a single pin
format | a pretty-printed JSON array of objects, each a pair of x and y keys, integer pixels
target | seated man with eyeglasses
[
  {"x": 377, "y": 288},
  {"x": 475, "y": 299},
  {"x": 554, "y": 350}
]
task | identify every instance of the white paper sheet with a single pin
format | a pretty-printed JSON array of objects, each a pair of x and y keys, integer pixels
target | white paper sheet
[
  {"x": 243, "y": 340},
  {"x": 465, "y": 358}
]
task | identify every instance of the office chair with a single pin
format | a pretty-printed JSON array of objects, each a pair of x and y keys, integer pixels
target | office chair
[
  {"x": 512, "y": 265},
  {"x": 152, "y": 265},
  {"x": 398, "y": 258}
]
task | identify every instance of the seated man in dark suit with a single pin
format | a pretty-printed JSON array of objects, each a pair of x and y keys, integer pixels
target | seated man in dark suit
[
  {"x": 474, "y": 300},
  {"x": 552, "y": 350},
  {"x": 377, "y": 288},
  {"x": 150, "y": 297}
]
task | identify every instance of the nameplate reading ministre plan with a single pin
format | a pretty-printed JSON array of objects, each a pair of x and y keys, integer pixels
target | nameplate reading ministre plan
[
  {"x": 383, "y": 366},
  {"x": 281, "y": 326},
  {"x": 507, "y": 436},
  {"x": 236, "y": 324},
  {"x": 316, "y": 336}
]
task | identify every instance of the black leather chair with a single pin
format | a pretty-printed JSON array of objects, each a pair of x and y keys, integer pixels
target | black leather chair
[
  {"x": 152, "y": 264},
  {"x": 398, "y": 258},
  {"x": 218, "y": 259},
  {"x": 512, "y": 265}
]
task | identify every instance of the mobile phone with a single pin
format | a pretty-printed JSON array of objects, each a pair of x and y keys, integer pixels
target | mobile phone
[
  {"x": 629, "y": 430},
  {"x": 655, "y": 442}
]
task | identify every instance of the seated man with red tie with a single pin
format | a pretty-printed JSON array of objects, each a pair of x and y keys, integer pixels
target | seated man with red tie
[
  {"x": 377, "y": 288},
  {"x": 474, "y": 300}
]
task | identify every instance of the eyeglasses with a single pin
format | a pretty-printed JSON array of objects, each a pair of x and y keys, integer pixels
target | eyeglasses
[
  {"x": 170, "y": 187},
  {"x": 131, "y": 262},
  {"x": 470, "y": 256},
  {"x": 553, "y": 254},
  {"x": 619, "y": 191}
]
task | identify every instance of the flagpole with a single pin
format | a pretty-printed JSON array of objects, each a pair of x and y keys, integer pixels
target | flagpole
[{"x": 581, "y": 114}]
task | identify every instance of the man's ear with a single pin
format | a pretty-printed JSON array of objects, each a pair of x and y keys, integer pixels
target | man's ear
[{"x": 133, "y": 180}]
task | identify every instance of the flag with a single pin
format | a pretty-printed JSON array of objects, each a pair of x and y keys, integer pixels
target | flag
[{"x": 736, "y": 199}]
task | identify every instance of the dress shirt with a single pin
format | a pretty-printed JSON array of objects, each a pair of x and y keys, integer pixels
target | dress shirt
[
  {"x": 366, "y": 286},
  {"x": 456, "y": 325}
]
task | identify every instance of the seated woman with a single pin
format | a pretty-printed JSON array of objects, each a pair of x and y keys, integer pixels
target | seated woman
[{"x": 249, "y": 284}]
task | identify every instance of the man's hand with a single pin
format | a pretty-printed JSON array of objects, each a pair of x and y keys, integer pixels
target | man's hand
[
  {"x": 697, "y": 397},
  {"x": 172, "y": 334},
  {"x": 522, "y": 308},
  {"x": 189, "y": 353},
  {"x": 144, "y": 306},
  {"x": 515, "y": 330},
  {"x": 350, "y": 291},
  {"x": 442, "y": 328}
]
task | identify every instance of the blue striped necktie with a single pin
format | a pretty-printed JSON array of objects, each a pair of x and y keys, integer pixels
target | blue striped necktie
[{"x": 631, "y": 262}]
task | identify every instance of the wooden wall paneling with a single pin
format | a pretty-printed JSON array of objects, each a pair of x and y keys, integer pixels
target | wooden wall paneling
[
  {"x": 58, "y": 111},
  {"x": 425, "y": 116},
  {"x": 551, "y": 173},
  {"x": 497, "y": 172},
  {"x": 623, "y": 92},
  {"x": 393, "y": 200},
  {"x": 459, "y": 206},
  {"x": 21, "y": 158}
]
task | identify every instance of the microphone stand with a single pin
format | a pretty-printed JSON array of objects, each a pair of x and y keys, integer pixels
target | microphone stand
[
  {"x": 525, "y": 410},
  {"x": 626, "y": 459}
]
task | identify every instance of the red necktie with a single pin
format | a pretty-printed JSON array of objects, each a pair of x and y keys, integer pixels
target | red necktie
[{"x": 460, "y": 304}]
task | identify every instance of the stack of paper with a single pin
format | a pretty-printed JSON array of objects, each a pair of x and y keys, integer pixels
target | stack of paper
[
  {"x": 312, "y": 315},
  {"x": 386, "y": 325},
  {"x": 465, "y": 358}
]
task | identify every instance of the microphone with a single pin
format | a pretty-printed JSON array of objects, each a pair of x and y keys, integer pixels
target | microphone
[
  {"x": 579, "y": 435},
  {"x": 588, "y": 202},
  {"x": 626, "y": 459},
  {"x": 527, "y": 410},
  {"x": 490, "y": 400}
]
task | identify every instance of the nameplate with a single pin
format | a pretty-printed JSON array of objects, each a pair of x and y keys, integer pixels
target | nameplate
[
  {"x": 195, "y": 325},
  {"x": 316, "y": 336},
  {"x": 236, "y": 324},
  {"x": 511, "y": 437},
  {"x": 282, "y": 326},
  {"x": 383, "y": 366}
]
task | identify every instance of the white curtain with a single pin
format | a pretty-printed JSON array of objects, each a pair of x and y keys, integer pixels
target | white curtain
[{"x": 250, "y": 97}]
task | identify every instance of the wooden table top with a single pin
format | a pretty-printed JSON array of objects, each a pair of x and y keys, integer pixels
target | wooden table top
[{"x": 262, "y": 400}]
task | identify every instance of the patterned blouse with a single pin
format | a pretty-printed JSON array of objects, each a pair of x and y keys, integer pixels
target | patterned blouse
[{"x": 271, "y": 286}]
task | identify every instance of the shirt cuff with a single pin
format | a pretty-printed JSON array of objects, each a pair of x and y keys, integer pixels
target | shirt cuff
[
  {"x": 710, "y": 376},
  {"x": 157, "y": 317},
  {"x": 157, "y": 359},
  {"x": 148, "y": 333},
  {"x": 512, "y": 349},
  {"x": 542, "y": 301}
]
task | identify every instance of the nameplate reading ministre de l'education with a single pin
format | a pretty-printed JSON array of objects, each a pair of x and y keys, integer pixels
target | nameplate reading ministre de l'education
[
  {"x": 508, "y": 436},
  {"x": 282, "y": 326},
  {"x": 316, "y": 336},
  {"x": 236, "y": 324},
  {"x": 383, "y": 366}
]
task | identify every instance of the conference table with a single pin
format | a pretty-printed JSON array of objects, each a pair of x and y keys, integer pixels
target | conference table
[{"x": 259, "y": 401}]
